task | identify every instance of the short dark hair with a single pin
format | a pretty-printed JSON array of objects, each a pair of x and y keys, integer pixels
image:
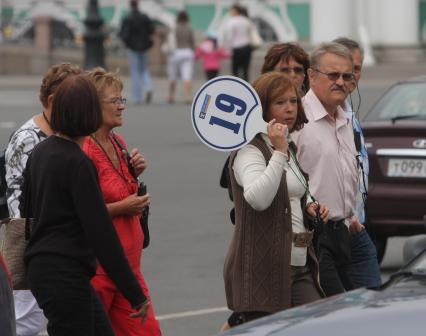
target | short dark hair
[
  {"x": 134, "y": 4},
  {"x": 76, "y": 110},
  {"x": 283, "y": 52},
  {"x": 269, "y": 86},
  {"x": 182, "y": 17}
]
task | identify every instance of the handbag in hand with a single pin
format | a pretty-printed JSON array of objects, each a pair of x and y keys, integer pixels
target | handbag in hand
[{"x": 141, "y": 191}]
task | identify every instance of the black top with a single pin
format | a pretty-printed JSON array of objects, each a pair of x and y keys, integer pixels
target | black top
[
  {"x": 136, "y": 30},
  {"x": 71, "y": 218}
]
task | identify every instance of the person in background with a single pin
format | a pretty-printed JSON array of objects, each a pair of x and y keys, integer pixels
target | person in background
[
  {"x": 136, "y": 32},
  {"x": 29, "y": 317},
  {"x": 291, "y": 59},
  {"x": 119, "y": 189},
  {"x": 71, "y": 226},
  {"x": 181, "y": 47},
  {"x": 211, "y": 55},
  {"x": 237, "y": 38},
  {"x": 326, "y": 151},
  {"x": 7, "y": 310},
  {"x": 271, "y": 263},
  {"x": 364, "y": 269}
]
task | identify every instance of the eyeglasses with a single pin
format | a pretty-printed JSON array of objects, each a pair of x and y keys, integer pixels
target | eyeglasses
[
  {"x": 117, "y": 101},
  {"x": 334, "y": 76},
  {"x": 297, "y": 70}
]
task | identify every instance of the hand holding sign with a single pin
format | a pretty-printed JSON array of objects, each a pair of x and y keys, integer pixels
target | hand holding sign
[{"x": 226, "y": 113}]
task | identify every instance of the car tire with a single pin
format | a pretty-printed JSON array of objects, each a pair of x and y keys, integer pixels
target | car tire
[{"x": 381, "y": 243}]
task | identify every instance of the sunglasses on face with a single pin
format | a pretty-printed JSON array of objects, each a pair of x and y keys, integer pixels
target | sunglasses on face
[
  {"x": 334, "y": 76},
  {"x": 297, "y": 70}
]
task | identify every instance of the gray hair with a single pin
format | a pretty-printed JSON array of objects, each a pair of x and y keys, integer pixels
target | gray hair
[
  {"x": 352, "y": 45},
  {"x": 329, "y": 48}
]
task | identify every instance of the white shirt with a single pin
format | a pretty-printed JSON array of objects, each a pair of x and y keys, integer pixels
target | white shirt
[
  {"x": 260, "y": 183},
  {"x": 237, "y": 32}
]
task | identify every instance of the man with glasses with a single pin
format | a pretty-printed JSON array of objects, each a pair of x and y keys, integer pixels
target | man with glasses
[
  {"x": 364, "y": 269},
  {"x": 326, "y": 151}
]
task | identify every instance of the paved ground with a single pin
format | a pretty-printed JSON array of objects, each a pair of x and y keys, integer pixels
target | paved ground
[{"x": 189, "y": 221}]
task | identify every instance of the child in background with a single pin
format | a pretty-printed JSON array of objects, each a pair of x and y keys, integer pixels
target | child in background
[{"x": 211, "y": 55}]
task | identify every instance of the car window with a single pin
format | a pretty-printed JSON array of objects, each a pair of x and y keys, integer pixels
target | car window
[{"x": 406, "y": 100}]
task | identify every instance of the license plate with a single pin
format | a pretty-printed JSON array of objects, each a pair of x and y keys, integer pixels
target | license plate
[{"x": 407, "y": 168}]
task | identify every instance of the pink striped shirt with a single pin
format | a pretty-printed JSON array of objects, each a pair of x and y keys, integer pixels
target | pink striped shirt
[{"x": 326, "y": 151}]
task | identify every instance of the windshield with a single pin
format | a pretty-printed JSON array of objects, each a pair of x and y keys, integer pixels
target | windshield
[{"x": 406, "y": 101}]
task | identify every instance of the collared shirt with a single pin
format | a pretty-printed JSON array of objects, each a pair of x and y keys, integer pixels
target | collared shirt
[
  {"x": 364, "y": 167},
  {"x": 326, "y": 152}
]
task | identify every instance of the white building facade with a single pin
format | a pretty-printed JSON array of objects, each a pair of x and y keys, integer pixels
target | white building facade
[{"x": 383, "y": 23}]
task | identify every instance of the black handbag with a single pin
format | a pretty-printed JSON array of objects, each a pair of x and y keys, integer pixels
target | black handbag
[{"x": 141, "y": 191}]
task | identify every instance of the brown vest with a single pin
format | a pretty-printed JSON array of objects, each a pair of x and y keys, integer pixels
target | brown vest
[{"x": 257, "y": 270}]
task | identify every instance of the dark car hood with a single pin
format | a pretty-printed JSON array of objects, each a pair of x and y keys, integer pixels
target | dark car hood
[{"x": 400, "y": 309}]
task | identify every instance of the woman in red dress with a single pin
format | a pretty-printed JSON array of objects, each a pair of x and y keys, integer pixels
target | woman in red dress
[{"x": 119, "y": 188}]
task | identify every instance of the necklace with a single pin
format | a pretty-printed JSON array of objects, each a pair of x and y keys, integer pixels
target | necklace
[
  {"x": 118, "y": 168},
  {"x": 45, "y": 118}
]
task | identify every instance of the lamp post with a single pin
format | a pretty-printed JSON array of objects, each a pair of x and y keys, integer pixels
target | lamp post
[{"x": 94, "y": 54}]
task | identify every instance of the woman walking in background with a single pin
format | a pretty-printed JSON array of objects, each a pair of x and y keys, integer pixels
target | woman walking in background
[
  {"x": 119, "y": 188},
  {"x": 180, "y": 45}
]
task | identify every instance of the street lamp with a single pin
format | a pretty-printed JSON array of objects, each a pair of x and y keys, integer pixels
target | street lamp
[{"x": 94, "y": 54}]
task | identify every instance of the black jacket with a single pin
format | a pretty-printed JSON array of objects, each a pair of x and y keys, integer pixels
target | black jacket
[{"x": 136, "y": 30}]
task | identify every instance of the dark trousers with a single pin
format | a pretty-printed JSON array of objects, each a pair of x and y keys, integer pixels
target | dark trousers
[
  {"x": 210, "y": 74},
  {"x": 7, "y": 309},
  {"x": 303, "y": 291},
  {"x": 334, "y": 258},
  {"x": 241, "y": 62},
  {"x": 63, "y": 291}
]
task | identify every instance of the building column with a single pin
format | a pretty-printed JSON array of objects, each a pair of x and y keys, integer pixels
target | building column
[
  {"x": 331, "y": 19},
  {"x": 393, "y": 25},
  {"x": 42, "y": 36}
]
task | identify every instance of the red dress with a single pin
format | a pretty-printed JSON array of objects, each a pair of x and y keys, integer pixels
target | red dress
[{"x": 117, "y": 184}]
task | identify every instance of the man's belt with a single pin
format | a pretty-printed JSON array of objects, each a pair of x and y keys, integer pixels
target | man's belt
[{"x": 303, "y": 239}]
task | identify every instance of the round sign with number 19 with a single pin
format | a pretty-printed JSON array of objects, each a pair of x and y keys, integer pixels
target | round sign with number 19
[{"x": 226, "y": 113}]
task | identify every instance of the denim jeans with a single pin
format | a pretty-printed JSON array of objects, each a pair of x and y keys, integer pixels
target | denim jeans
[
  {"x": 139, "y": 72},
  {"x": 364, "y": 268}
]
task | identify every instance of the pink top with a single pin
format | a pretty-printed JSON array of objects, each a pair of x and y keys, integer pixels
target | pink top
[
  {"x": 326, "y": 151},
  {"x": 210, "y": 57}
]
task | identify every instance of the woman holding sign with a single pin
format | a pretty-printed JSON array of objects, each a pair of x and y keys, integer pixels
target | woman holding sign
[{"x": 271, "y": 264}]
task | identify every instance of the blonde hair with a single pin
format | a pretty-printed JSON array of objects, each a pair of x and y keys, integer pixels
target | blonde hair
[{"x": 103, "y": 79}]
